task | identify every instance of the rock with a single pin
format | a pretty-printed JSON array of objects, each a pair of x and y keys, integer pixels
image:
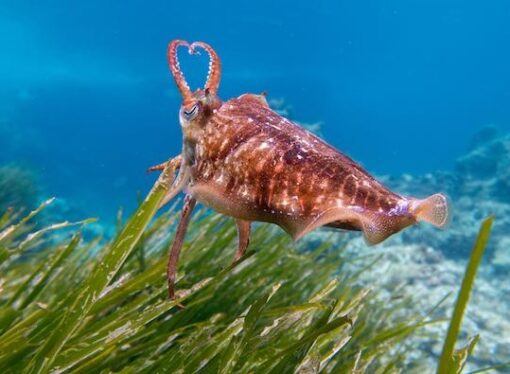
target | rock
[
  {"x": 425, "y": 263},
  {"x": 501, "y": 258},
  {"x": 18, "y": 188},
  {"x": 484, "y": 161},
  {"x": 424, "y": 275},
  {"x": 485, "y": 135},
  {"x": 479, "y": 186}
]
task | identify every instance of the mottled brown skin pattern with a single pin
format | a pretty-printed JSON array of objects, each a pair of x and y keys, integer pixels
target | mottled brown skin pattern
[
  {"x": 244, "y": 160},
  {"x": 266, "y": 168}
]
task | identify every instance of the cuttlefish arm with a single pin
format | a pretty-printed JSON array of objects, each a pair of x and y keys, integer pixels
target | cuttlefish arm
[
  {"x": 243, "y": 238},
  {"x": 179, "y": 183},
  {"x": 175, "y": 249}
]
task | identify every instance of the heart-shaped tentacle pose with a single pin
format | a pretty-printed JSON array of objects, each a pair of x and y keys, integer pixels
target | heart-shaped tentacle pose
[
  {"x": 188, "y": 110},
  {"x": 246, "y": 161}
]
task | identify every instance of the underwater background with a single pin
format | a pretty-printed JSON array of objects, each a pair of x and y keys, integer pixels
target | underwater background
[
  {"x": 418, "y": 92},
  {"x": 88, "y": 102}
]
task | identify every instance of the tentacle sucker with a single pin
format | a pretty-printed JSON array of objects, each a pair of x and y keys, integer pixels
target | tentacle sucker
[
  {"x": 178, "y": 75},
  {"x": 214, "y": 75}
]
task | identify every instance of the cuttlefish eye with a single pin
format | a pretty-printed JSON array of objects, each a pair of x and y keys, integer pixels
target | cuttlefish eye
[{"x": 191, "y": 113}]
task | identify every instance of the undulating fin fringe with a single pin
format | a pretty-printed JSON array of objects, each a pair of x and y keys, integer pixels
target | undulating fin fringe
[
  {"x": 377, "y": 228},
  {"x": 373, "y": 233},
  {"x": 434, "y": 209}
]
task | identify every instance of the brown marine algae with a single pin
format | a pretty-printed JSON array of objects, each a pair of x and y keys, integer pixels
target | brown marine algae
[{"x": 246, "y": 161}]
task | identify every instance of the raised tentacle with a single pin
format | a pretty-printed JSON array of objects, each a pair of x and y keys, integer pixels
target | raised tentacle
[
  {"x": 213, "y": 76},
  {"x": 175, "y": 250},
  {"x": 175, "y": 68}
]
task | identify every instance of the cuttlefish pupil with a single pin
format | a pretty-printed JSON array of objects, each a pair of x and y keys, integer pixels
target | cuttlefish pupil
[
  {"x": 190, "y": 113},
  {"x": 246, "y": 161}
]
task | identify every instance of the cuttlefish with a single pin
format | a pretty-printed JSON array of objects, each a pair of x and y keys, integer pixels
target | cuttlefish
[{"x": 244, "y": 160}]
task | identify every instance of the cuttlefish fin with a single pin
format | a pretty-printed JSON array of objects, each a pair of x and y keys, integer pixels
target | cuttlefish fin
[
  {"x": 375, "y": 227},
  {"x": 299, "y": 227},
  {"x": 433, "y": 209}
]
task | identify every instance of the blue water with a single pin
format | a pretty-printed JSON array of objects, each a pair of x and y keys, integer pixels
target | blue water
[{"x": 86, "y": 98}]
